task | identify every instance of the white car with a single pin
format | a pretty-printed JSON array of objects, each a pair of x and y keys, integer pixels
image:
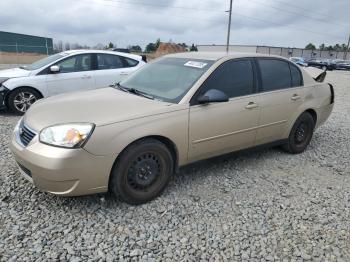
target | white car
[{"x": 68, "y": 71}]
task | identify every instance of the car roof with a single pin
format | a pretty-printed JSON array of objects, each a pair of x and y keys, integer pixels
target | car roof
[
  {"x": 87, "y": 51},
  {"x": 218, "y": 55}
]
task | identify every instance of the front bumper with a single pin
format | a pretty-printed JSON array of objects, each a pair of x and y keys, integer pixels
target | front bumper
[
  {"x": 3, "y": 93},
  {"x": 60, "y": 171}
]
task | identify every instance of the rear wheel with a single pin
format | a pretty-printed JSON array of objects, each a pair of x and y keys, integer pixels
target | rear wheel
[
  {"x": 301, "y": 134},
  {"x": 142, "y": 172},
  {"x": 21, "y": 99}
]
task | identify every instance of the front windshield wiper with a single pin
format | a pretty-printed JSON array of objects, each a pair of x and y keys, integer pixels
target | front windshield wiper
[
  {"x": 139, "y": 93},
  {"x": 133, "y": 91},
  {"x": 117, "y": 85}
]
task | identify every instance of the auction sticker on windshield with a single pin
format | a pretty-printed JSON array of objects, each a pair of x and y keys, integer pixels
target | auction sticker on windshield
[{"x": 196, "y": 64}]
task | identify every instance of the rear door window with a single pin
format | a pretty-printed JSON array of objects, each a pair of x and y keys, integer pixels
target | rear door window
[
  {"x": 106, "y": 61},
  {"x": 235, "y": 78},
  {"x": 296, "y": 76},
  {"x": 129, "y": 62},
  {"x": 275, "y": 74}
]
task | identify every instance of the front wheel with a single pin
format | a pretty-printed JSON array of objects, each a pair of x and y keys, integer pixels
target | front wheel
[
  {"x": 21, "y": 99},
  {"x": 301, "y": 134},
  {"x": 142, "y": 172}
]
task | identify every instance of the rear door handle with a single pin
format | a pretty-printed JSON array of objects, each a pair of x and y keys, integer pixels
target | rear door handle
[
  {"x": 124, "y": 73},
  {"x": 295, "y": 97},
  {"x": 86, "y": 77},
  {"x": 251, "y": 105}
]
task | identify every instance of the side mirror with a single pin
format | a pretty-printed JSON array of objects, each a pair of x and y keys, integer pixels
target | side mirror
[
  {"x": 54, "y": 69},
  {"x": 211, "y": 96}
]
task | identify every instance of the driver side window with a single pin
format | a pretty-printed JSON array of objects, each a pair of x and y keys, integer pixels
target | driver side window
[
  {"x": 76, "y": 63},
  {"x": 234, "y": 77}
]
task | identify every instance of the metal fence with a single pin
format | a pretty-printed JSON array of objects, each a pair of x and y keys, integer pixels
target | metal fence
[
  {"x": 281, "y": 51},
  {"x": 19, "y": 48}
]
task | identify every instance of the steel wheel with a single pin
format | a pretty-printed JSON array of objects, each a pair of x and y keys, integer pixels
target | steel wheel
[
  {"x": 142, "y": 171},
  {"x": 301, "y": 133}
]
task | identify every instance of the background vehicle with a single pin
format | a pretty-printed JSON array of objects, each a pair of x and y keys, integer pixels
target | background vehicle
[
  {"x": 298, "y": 60},
  {"x": 342, "y": 64},
  {"x": 325, "y": 64},
  {"x": 64, "y": 72},
  {"x": 122, "y": 50},
  {"x": 176, "y": 110}
]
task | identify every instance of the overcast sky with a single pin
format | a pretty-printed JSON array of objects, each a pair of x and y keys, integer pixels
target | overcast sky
[{"x": 123, "y": 22}]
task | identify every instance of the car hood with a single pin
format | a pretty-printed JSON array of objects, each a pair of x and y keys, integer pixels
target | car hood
[
  {"x": 101, "y": 107},
  {"x": 14, "y": 72}
]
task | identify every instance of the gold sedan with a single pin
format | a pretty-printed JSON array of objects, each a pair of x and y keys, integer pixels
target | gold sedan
[{"x": 181, "y": 108}]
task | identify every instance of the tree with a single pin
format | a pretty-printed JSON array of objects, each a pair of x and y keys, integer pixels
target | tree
[
  {"x": 99, "y": 46},
  {"x": 151, "y": 47},
  {"x": 337, "y": 47},
  {"x": 329, "y": 48},
  {"x": 193, "y": 48},
  {"x": 135, "y": 48},
  {"x": 157, "y": 43},
  {"x": 110, "y": 45},
  {"x": 322, "y": 47},
  {"x": 310, "y": 46},
  {"x": 66, "y": 46},
  {"x": 343, "y": 47}
]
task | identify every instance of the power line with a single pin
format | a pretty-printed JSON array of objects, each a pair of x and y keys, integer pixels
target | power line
[
  {"x": 296, "y": 28},
  {"x": 296, "y": 13},
  {"x": 301, "y": 8},
  {"x": 153, "y": 11},
  {"x": 213, "y": 20}
]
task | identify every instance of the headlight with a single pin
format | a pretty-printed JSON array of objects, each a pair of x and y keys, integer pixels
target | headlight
[
  {"x": 67, "y": 135},
  {"x": 3, "y": 79}
]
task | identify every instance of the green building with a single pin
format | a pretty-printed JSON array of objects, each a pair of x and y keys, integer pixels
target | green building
[{"x": 20, "y": 43}]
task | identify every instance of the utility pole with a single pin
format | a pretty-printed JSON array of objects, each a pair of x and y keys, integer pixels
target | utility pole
[
  {"x": 347, "y": 49},
  {"x": 229, "y": 27}
]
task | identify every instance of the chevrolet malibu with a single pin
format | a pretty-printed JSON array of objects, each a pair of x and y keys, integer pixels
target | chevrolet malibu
[{"x": 129, "y": 139}]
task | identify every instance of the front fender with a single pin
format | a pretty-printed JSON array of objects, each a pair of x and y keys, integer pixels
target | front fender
[
  {"x": 114, "y": 138},
  {"x": 36, "y": 82}
]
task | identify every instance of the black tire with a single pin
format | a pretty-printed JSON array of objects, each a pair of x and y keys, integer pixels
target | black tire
[
  {"x": 301, "y": 134},
  {"x": 28, "y": 95},
  {"x": 142, "y": 171}
]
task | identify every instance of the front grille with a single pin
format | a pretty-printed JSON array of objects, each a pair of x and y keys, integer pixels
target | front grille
[{"x": 25, "y": 134}]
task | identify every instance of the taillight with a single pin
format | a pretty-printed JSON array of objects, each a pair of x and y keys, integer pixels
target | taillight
[{"x": 332, "y": 93}]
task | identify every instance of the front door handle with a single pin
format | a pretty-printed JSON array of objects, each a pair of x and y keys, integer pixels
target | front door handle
[
  {"x": 251, "y": 105},
  {"x": 124, "y": 73},
  {"x": 86, "y": 77},
  {"x": 295, "y": 97}
]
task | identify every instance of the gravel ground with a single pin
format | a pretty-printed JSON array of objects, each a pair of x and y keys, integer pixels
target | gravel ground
[{"x": 263, "y": 205}]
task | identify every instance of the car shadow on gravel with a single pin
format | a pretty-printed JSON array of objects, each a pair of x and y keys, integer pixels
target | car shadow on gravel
[
  {"x": 5, "y": 112},
  {"x": 191, "y": 173}
]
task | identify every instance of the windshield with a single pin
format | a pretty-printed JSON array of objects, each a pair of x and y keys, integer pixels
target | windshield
[
  {"x": 167, "y": 79},
  {"x": 43, "y": 62}
]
